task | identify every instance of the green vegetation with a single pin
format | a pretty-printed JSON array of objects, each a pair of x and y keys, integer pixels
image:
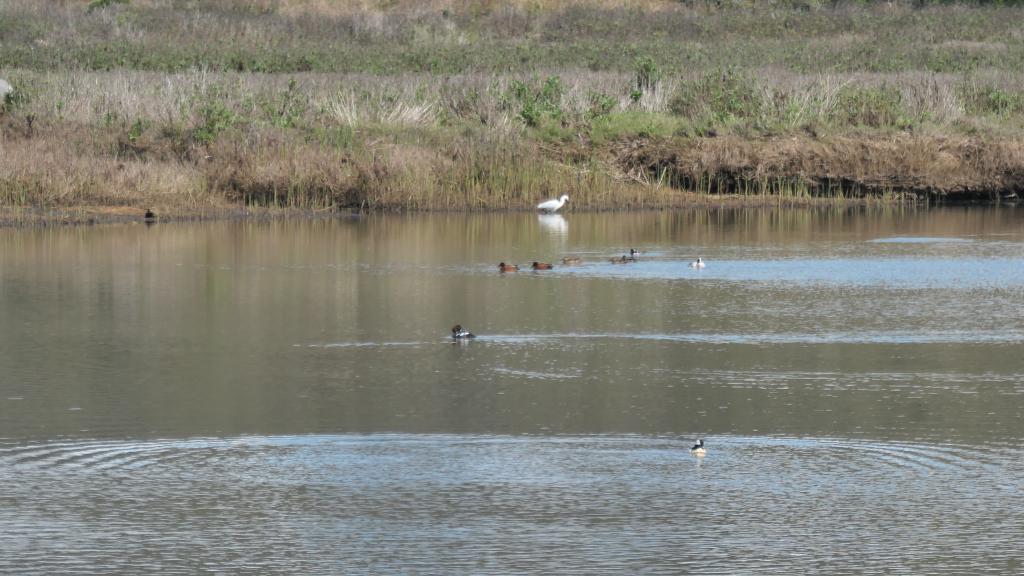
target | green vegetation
[
  {"x": 491, "y": 36},
  {"x": 189, "y": 104}
]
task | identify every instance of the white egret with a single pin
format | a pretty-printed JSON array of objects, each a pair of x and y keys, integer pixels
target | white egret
[{"x": 553, "y": 205}]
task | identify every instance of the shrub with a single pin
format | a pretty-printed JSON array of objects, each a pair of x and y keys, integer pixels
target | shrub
[
  {"x": 725, "y": 95},
  {"x": 647, "y": 74},
  {"x": 982, "y": 100},
  {"x": 600, "y": 105},
  {"x": 214, "y": 117},
  {"x": 534, "y": 103},
  {"x": 869, "y": 106}
]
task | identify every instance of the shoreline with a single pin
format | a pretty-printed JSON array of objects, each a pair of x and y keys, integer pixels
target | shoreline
[{"x": 84, "y": 216}]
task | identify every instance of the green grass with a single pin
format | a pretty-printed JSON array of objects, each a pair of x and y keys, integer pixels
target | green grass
[{"x": 634, "y": 124}]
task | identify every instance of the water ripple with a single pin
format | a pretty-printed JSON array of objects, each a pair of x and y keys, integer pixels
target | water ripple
[{"x": 495, "y": 505}]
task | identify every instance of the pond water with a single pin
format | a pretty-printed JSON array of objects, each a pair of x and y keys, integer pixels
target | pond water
[{"x": 284, "y": 396}]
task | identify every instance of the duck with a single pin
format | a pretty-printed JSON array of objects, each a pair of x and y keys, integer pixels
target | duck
[
  {"x": 621, "y": 259},
  {"x": 571, "y": 260},
  {"x": 507, "y": 267},
  {"x": 149, "y": 217},
  {"x": 541, "y": 266},
  {"x": 698, "y": 263},
  {"x": 698, "y": 449},
  {"x": 633, "y": 254},
  {"x": 553, "y": 205},
  {"x": 459, "y": 332}
]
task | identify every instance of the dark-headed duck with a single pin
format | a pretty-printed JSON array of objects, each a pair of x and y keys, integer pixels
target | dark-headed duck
[{"x": 698, "y": 448}]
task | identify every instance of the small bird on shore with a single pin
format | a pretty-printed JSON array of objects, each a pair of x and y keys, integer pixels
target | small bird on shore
[
  {"x": 541, "y": 266},
  {"x": 149, "y": 217},
  {"x": 698, "y": 449},
  {"x": 553, "y": 205},
  {"x": 458, "y": 332},
  {"x": 571, "y": 260},
  {"x": 698, "y": 263}
]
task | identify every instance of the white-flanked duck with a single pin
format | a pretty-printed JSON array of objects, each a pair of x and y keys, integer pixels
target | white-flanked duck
[
  {"x": 698, "y": 263},
  {"x": 698, "y": 449},
  {"x": 458, "y": 332}
]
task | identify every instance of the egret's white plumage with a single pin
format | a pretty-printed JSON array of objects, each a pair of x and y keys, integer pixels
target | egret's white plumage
[{"x": 553, "y": 205}]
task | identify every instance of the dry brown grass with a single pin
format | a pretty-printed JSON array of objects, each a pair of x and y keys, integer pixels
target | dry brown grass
[
  {"x": 929, "y": 166},
  {"x": 53, "y": 166},
  {"x": 62, "y": 168}
]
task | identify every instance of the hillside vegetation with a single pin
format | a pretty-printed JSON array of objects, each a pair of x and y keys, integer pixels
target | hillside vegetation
[{"x": 199, "y": 105}]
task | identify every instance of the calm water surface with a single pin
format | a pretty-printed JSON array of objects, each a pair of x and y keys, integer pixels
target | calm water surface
[{"x": 283, "y": 397}]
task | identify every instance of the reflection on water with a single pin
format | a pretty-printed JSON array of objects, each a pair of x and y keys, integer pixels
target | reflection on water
[
  {"x": 290, "y": 391},
  {"x": 553, "y": 223}
]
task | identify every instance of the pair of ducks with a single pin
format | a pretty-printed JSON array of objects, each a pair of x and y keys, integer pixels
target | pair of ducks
[
  {"x": 624, "y": 259},
  {"x": 568, "y": 261},
  {"x": 502, "y": 267}
]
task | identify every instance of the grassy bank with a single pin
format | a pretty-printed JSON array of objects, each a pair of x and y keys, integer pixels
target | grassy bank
[{"x": 203, "y": 107}]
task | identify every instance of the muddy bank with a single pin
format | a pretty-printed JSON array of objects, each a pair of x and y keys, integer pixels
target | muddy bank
[{"x": 908, "y": 167}]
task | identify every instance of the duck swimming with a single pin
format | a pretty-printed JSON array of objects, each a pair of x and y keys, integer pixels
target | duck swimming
[
  {"x": 698, "y": 263},
  {"x": 459, "y": 332},
  {"x": 571, "y": 260},
  {"x": 698, "y": 449},
  {"x": 541, "y": 266},
  {"x": 621, "y": 259},
  {"x": 507, "y": 267}
]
